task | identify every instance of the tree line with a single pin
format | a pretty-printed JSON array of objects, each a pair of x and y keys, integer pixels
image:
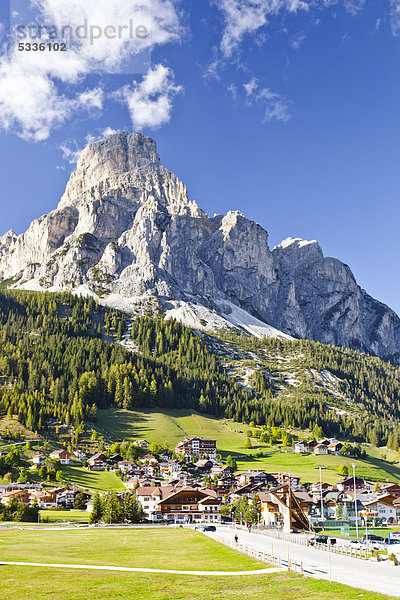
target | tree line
[{"x": 56, "y": 361}]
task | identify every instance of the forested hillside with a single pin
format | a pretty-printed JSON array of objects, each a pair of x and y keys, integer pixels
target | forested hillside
[
  {"x": 53, "y": 362},
  {"x": 61, "y": 356},
  {"x": 345, "y": 392}
]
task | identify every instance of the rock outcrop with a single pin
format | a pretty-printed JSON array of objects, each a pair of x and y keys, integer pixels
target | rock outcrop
[{"x": 126, "y": 230}]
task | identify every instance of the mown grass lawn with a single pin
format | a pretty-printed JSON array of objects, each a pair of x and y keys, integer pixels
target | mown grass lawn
[
  {"x": 165, "y": 548},
  {"x": 64, "y": 515},
  {"x": 96, "y": 481},
  {"x": 154, "y": 548},
  {"x": 44, "y": 584}
]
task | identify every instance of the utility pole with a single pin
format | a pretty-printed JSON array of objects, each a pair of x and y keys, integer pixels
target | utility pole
[
  {"x": 320, "y": 490},
  {"x": 355, "y": 497},
  {"x": 330, "y": 560}
]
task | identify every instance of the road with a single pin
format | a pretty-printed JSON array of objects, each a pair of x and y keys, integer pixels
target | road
[
  {"x": 367, "y": 575},
  {"x": 19, "y": 444}
]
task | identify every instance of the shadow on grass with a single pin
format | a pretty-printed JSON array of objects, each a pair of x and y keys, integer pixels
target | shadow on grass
[
  {"x": 133, "y": 424},
  {"x": 393, "y": 470},
  {"x": 138, "y": 424}
]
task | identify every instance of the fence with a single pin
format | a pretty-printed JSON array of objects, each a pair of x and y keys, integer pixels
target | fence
[
  {"x": 285, "y": 537},
  {"x": 271, "y": 559},
  {"x": 347, "y": 550}
]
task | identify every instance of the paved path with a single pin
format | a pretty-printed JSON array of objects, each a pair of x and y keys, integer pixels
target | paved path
[
  {"x": 367, "y": 575},
  {"x": 139, "y": 570}
]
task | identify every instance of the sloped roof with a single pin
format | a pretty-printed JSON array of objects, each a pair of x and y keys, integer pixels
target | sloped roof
[{"x": 98, "y": 456}]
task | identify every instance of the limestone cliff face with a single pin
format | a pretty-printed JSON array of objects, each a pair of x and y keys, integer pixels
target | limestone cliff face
[{"x": 126, "y": 227}]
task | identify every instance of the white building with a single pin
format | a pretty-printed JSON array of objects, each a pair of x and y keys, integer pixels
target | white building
[
  {"x": 301, "y": 447},
  {"x": 38, "y": 460},
  {"x": 63, "y": 456},
  {"x": 196, "y": 446},
  {"x": 382, "y": 508},
  {"x": 320, "y": 449},
  {"x": 144, "y": 444}
]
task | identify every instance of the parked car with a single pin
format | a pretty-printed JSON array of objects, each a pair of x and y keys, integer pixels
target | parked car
[
  {"x": 322, "y": 539},
  {"x": 371, "y": 537},
  {"x": 377, "y": 545},
  {"x": 209, "y": 528},
  {"x": 358, "y": 544}
]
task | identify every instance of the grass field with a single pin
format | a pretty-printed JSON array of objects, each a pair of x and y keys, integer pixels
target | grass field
[
  {"x": 174, "y": 549},
  {"x": 96, "y": 481},
  {"x": 146, "y": 548},
  {"x": 64, "y": 515},
  {"x": 42, "y": 584},
  {"x": 172, "y": 426}
]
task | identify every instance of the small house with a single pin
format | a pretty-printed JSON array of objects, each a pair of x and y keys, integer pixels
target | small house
[
  {"x": 98, "y": 462},
  {"x": 63, "y": 456}
]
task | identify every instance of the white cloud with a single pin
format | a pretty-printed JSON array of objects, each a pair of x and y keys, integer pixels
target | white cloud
[
  {"x": 274, "y": 106},
  {"x": 71, "y": 150},
  {"x": 232, "y": 89},
  {"x": 298, "y": 40},
  {"x": 251, "y": 86},
  {"x": 159, "y": 18},
  {"x": 70, "y": 153},
  {"x": 354, "y": 6},
  {"x": 248, "y": 17},
  {"x": 150, "y": 101},
  {"x": 31, "y": 103},
  {"x": 93, "y": 98},
  {"x": 108, "y": 131},
  {"x": 395, "y": 16}
]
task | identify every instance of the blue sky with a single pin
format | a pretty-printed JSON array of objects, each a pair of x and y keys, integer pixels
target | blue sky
[{"x": 284, "y": 109}]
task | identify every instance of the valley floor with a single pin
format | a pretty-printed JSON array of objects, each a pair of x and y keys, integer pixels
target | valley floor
[{"x": 154, "y": 548}]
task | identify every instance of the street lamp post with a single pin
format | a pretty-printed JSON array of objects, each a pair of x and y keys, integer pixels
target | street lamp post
[
  {"x": 330, "y": 560},
  {"x": 320, "y": 490},
  {"x": 355, "y": 497}
]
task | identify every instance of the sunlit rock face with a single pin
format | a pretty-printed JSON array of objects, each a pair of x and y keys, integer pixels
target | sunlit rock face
[{"x": 125, "y": 226}]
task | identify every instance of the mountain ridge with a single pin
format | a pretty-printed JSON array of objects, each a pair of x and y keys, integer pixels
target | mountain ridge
[{"x": 126, "y": 231}]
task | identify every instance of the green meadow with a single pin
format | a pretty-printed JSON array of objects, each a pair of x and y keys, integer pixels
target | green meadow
[
  {"x": 95, "y": 481},
  {"x": 154, "y": 548},
  {"x": 169, "y": 427}
]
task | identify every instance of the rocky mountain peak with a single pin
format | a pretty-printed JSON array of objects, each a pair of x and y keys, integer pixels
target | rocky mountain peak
[
  {"x": 294, "y": 253},
  {"x": 7, "y": 238},
  {"x": 118, "y": 153},
  {"x": 297, "y": 244},
  {"x": 126, "y": 232},
  {"x": 110, "y": 161}
]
